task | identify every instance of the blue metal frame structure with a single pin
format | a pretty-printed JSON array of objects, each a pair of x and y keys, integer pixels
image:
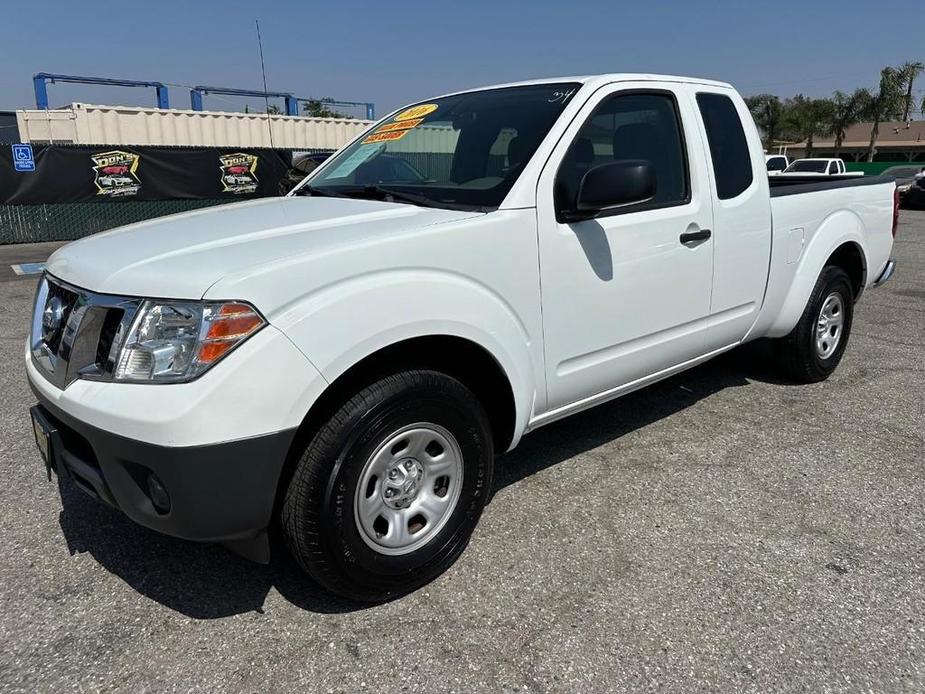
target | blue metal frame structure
[
  {"x": 41, "y": 79},
  {"x": 197, "y": 92}
]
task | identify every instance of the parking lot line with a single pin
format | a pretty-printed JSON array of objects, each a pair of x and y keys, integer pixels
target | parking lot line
[{"x": 28, "y": 268}]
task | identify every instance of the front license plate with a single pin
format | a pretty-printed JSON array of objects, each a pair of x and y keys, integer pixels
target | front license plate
[{"x": 43, "y": 442}]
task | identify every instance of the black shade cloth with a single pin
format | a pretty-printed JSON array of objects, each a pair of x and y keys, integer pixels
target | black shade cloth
[{"x": 79, "y": 173}]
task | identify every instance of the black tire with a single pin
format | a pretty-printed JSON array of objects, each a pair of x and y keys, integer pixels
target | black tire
[
  {"x": 318, "y": 510},
  {"x": 796, "y": 353}
]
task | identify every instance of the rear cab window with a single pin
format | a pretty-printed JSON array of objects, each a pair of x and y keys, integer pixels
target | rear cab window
[{"x": 732, "y": 164}]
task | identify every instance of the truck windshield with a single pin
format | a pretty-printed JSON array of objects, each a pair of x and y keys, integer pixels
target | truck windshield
[
  {"x": 808, "y": 166},
  {"x": 458, "y": 152}
]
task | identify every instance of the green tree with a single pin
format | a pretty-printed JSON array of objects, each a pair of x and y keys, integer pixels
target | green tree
[
  {"x": 908, "y": 72},
  {"x": 805, "y": 118},
  {"x": 318, "y": 108},
  {"x": 768, "y": 113},
  {"x": 847, "y": 110},
  {"x": 884, "y": 104}
]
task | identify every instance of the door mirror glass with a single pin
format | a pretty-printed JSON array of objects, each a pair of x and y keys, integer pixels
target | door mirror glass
[{"x": 615, "y": 184}]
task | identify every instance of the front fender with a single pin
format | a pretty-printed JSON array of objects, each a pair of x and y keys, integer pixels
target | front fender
[
  {"x": 835, "y": 230},
  {"x": 341, "y": 324}
]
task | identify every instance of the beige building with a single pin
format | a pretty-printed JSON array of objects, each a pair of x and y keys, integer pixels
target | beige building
[{"x": 899, "y": 141}]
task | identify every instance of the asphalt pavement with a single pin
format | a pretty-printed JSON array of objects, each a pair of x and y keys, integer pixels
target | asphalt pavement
[{"x": 720, "y": 531}]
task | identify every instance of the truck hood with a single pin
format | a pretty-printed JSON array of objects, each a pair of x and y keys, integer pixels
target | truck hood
[{"x": 181, "y": 256}]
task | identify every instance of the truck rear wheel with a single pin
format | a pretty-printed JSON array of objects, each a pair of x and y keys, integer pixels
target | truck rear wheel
[
  {"x": 389, "y": 489},
  {"x": 813, "y": 349}
]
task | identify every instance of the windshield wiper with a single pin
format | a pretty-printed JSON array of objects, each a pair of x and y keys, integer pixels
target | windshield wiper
[
  {"x": 370, "y": 191},
  {"x": 376, "y": 192},
  {"x": 389, "y": 195},
  {"x": 321, "y": 192}
]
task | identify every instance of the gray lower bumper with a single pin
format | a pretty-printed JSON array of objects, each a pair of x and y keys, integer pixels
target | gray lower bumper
[{"x": 218, "y": 493}]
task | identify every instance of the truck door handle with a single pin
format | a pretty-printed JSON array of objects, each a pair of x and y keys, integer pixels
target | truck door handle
[{"x": 694, "y": 236}]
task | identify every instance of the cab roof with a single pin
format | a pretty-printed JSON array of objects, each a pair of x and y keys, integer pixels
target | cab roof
[{"x": 599, "y": 80}]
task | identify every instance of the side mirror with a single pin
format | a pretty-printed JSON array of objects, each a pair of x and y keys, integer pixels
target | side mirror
[{"x": 613, "y": 185}]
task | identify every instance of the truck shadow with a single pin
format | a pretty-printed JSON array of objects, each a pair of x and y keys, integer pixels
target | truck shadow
[
  {"x": 582, "y": 432},
  {"x": 209, "y": 582}
]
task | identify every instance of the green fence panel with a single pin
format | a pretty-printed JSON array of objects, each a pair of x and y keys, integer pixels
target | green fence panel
[
  {"x": 69, "y": 221},
  {"x": 875, "y": 168}
]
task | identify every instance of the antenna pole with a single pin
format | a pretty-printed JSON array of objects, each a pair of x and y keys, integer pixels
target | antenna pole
[{"x": 266, "y": 97}]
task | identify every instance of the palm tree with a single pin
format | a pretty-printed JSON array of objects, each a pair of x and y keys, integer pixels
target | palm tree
[
  {"x": 318, "y": 108},
  {"x": 847, "y": 110},
  {"x": 908, "y": 72},
  {"x": 768, "y": 112},
  {"x": 806, "y": 118},
  {"x": 885, "y": 104}
]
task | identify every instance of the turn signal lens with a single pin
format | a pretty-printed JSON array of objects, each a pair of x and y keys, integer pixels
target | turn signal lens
[
  {"x": 228, "y": 325},
  {"x": 213, "y": 351},
  {"x": 895, "y": 211},
  {"x": 233, "y": 321}
]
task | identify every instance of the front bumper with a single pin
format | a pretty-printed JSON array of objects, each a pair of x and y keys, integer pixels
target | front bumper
[{"x": 223, "y": 492}]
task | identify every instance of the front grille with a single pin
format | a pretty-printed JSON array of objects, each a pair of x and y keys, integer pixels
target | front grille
[
  {"x": 68, "y": 300},
  {"x": 75, "y": 332},
  {"x": 108, "y": 332}
]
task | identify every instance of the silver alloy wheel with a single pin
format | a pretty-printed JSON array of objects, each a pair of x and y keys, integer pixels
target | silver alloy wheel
[
  {"x": 408, "y": 488},
  {"x": 829, "y": 325}
]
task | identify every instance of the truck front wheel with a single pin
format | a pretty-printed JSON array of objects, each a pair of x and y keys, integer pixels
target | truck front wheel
[
  {"x": 813, "y": 349},
  {"x": 389, "y": 489}
]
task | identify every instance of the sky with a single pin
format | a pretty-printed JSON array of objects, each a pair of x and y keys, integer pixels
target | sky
[{"x": 393, "y": 53}]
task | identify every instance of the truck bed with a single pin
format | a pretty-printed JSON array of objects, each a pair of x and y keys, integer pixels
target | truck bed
[
  {"x": 857, "y": 209},
  {"x": 794, "y": 185}
]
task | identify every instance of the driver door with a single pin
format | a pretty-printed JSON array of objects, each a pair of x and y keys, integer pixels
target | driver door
[{"x": 624, "y": 296}]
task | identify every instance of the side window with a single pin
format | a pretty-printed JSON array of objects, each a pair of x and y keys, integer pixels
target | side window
[
  {"x": 833, "y": 168},
  {"x": 732, "y": 166},
  {"x": 629, "y": 126}
]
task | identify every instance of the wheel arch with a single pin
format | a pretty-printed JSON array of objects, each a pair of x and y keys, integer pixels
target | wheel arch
[
  {"x": 467, "y": 361},
  {"x": 850, "y": 257},
  {"x": 838, "y": 241}
]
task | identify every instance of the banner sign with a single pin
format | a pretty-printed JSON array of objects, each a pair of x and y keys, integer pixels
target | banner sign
[{"x": 68, "y": 173}]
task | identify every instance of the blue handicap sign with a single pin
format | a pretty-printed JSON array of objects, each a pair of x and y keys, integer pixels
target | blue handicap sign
[{"x": 22, "y": 158}]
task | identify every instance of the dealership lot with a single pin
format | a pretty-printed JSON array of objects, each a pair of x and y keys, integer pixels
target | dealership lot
[{"x": 719, "y": 530}]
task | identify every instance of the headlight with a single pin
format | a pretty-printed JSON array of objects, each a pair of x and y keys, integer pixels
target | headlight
[{"x": 172, "y": 341}]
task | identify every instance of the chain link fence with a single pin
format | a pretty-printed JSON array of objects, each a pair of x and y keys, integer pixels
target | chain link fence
[
  {"x": 74, "y": 220},
  {"x": 32, "y": 223}
]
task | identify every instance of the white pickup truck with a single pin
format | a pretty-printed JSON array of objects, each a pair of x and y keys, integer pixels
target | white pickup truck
[
  {"x": 818, "y": 167},
  {"x": 776, "y": 163},
  {"x": 344, "y": 363}
]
